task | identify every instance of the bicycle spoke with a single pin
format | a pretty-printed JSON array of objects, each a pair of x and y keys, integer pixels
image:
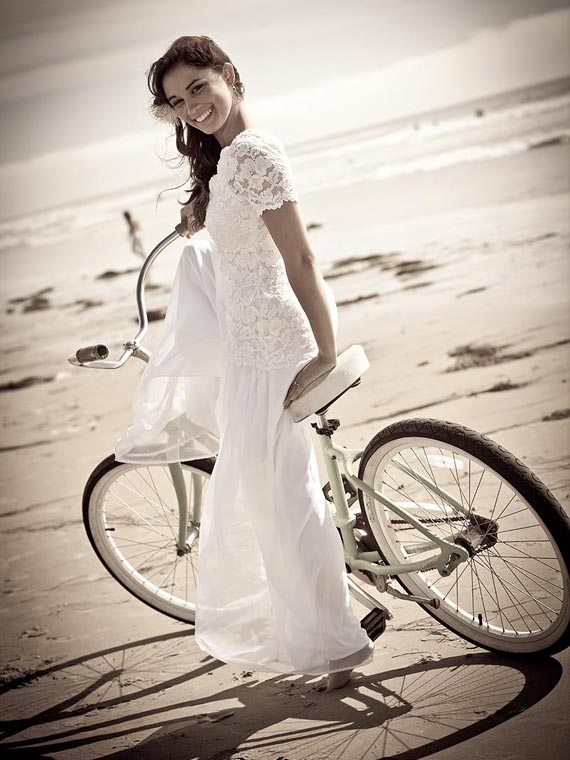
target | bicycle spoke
[
  {"x": 174, "y": 575},
  {"x": 433, "y": 495},
  {"x": 455, "y": 584},
  {"x": 160, "y": 499},
  {"x": 478, "y": 484},
  {"x": 504, "y": 590},
  {"x": 515, "y": 602},
  {"x": 159, "y": 570},
  {"x": 495, "y": 598},
  {"x": 499, "y": 605},
  {"x": 144, "y": 519},
  {"x": 503, "y": 517},
  {"x": 492, "y": 515},
  {"x": 139, "y": 534},
  {"x": 429, "y": 474},
  {"x": 461, "y": 495},
  {"x": 540, "y": 560},
  {"x": 152, "y": 556},
  {"x": 145, "y": 498},
  {"x": 524, "y": 592},
  {"x": 444, "y": 504},
  {"x": 400, "y": 491},
  {"x": 526, "y": 541},
  {"x": 479, "y": 583},
  {"x": 472, "y": 589},
  {"x": 145, "y": 554},
  {"x": 507, "y": 505},
  {"x": 521, "y": 527},
  {"x": 512, "y": 567},
  {"x": 124, "y": 540},
  {"x": 528, "y": 573},
  {"x": 534, "y": 557}
]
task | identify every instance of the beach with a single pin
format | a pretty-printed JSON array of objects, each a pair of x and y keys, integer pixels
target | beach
[{"x": 455, "y": 280}]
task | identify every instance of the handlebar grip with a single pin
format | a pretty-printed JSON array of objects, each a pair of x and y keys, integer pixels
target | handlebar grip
[
  {"x": 181, "y": 228},
  {"x": 91, "y": 353}
]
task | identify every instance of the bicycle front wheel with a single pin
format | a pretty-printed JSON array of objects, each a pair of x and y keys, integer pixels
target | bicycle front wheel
[
  {"x": 513, "y": 593},
  {"x": 131, "y": 516}
]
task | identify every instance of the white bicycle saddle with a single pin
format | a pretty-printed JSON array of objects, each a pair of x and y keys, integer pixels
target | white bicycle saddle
[{"x": 320, "y": 394}]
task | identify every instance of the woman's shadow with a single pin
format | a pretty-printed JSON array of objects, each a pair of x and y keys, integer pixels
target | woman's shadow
[{"x": 409, "y": 712}]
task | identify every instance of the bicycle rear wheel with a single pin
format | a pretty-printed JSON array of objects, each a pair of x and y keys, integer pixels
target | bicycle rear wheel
[
  {"x": 513, "y": 594},
  {"x": 131, "y": 516}
]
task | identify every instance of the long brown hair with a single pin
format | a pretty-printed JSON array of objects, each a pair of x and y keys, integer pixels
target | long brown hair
[{"x": 202, "y": 150}]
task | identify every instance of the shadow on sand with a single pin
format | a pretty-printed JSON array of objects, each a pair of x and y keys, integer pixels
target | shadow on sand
[{"x": 407, "y": 713}]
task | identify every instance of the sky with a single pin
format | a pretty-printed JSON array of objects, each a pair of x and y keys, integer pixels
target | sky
[{"x": 74, "y": 99}]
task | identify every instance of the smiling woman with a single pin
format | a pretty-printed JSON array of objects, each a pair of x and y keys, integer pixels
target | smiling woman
[
  {"x": 250, "y": 325},
  {"x": 193, "y": 84}
]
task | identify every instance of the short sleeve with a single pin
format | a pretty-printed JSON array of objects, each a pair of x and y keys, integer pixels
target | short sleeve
[{"x": 262, "y": 172}]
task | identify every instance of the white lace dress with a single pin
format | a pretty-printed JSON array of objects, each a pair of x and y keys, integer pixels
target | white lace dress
[{"x": 272, "y": 591}]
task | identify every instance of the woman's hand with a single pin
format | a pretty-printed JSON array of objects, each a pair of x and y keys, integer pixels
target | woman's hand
[
  {"x": 306, "y": 375},
  {"x": 186, "y": 217}
]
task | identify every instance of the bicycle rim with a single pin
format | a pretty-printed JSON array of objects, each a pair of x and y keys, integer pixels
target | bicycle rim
[
  {"x": 132, "y": 521},
  {"x": 512, "y": 595}
]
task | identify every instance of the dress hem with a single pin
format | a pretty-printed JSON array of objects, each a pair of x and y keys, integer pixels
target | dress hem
[{"x": 359, "y": 658}]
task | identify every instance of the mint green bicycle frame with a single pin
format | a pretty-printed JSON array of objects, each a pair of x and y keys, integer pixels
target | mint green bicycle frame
[{"x": 447, "y": 555}]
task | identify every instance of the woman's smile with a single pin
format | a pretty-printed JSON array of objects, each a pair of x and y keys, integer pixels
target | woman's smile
[{"x": 204, "y": 116}]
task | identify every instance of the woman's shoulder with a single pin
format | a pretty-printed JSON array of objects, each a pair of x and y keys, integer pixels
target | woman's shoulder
[
  {"x": 257, "y": 167},
  {"x": 256, "y": 141}
]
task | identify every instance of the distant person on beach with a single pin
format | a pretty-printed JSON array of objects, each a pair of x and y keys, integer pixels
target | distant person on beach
[
  {"x": 135, "y": 235},
  {"x": 250, "y": 325}
]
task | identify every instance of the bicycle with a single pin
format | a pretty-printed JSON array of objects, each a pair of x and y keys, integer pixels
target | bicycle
[{"x": 463, "y": 527}]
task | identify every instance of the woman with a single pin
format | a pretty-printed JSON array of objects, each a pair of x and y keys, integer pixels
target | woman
[{"x": 251, "y": 310}]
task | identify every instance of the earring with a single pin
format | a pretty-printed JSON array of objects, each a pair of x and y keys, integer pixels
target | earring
[{"x": 234, "y": 87}]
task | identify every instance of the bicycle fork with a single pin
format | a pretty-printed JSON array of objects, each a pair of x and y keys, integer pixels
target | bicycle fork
[{"x": 186, "y": 538}]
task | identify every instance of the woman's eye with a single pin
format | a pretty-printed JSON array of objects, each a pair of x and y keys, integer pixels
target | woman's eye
[{"x": 194, "y": 91}]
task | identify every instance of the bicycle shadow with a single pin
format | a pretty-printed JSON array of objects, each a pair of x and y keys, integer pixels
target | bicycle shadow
[{"x": 407, "y": 713}]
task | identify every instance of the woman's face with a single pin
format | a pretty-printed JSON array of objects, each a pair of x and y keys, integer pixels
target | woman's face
[{"x": 200, "y": 97}]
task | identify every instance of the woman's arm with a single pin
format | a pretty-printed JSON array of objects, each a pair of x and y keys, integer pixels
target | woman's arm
[
  {"x": 286, "y": 227},
  {"x": 288, "y": 231}
]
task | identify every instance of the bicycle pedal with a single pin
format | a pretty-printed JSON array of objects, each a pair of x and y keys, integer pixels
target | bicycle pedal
[
  {"x": 349, "y": 490},
  {"x": 374, "y": 623}
]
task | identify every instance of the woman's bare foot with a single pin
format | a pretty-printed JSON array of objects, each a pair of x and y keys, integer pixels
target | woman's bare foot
[{"x": 334, "y": 680}]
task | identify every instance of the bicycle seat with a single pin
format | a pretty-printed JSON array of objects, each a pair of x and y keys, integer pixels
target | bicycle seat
[{"x": 320, "y": 394}]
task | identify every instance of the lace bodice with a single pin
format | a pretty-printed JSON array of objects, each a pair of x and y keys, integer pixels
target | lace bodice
[{"x": 266, "y": 326}]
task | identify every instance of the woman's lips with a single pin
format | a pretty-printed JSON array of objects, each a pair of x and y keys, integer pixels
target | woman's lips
[{"x": 205, "y": 116}]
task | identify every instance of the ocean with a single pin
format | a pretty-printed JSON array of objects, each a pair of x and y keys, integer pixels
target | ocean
[{"x": 483, "y": 129}]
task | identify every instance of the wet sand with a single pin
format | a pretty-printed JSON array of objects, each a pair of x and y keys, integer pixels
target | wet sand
[{"x": 457, "y": 286}]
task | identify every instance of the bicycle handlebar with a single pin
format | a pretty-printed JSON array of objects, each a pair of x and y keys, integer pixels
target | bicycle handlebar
[
  {"x": 95, "y": 356},
  {"x": 91, "y": 353}
]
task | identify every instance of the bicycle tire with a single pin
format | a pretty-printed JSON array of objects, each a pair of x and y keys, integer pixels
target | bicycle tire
[
  {"x": 98, "y": 521},
  {"x": 485, "y": 628}
]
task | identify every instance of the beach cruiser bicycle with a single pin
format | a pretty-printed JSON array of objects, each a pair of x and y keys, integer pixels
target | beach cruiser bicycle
[{"x": 429, "y": 511}]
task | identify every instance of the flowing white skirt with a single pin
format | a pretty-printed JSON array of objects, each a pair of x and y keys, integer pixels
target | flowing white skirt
[{"x": 272, "y": 590}]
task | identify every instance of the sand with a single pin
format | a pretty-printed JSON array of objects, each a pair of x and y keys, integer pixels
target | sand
[{"x": 456, "y": 283}]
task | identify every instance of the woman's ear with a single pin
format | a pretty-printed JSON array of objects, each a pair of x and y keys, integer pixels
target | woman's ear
[{"x": 228, "y": 73}]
